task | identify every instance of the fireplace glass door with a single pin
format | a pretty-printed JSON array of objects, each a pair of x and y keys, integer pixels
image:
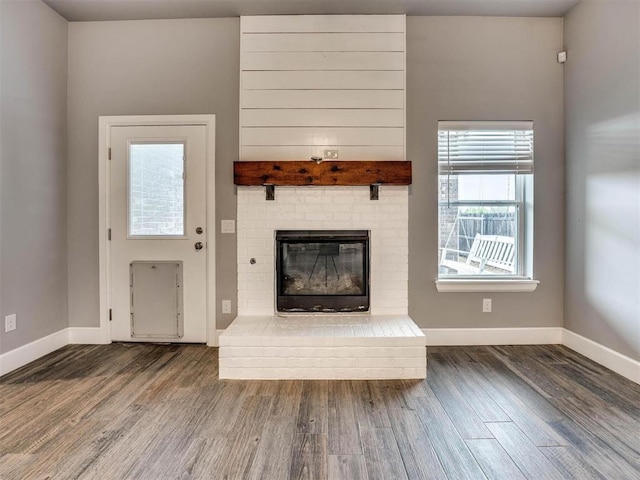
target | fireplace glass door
[{"x": 322, "y": 271}]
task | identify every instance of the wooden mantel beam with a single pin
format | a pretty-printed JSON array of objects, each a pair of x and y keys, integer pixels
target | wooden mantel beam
[{"x": 323, "y": 173}]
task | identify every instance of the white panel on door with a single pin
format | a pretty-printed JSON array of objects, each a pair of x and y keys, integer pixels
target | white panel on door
[{"x": 156, "y": 300}]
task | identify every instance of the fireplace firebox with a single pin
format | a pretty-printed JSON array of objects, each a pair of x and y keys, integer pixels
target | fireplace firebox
[{"x": 322, "y": 271}]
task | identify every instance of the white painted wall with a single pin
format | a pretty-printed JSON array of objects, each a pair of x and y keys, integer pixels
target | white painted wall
[{"x": 310, "y": 83}]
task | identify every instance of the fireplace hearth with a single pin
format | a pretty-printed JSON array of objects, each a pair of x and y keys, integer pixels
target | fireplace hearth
[
  {"x": 322, "y": 271},
  {"x": 334, "y": 245}
]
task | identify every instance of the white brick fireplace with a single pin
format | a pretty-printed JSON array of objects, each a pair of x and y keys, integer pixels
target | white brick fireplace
[
  {"x": 385, "y": 343},
  {"x": 322, "y": 86},
  {"x": 323, "y": 208}
]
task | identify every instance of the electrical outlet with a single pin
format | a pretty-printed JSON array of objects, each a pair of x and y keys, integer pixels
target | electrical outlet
[
  {"x": 227, "y": 226},
  {"x": 486, "y": 305},
  {"x": 331, "y": 154},
  {"x": 226, "y": 306},
  {"x": 10, "y": 322}
]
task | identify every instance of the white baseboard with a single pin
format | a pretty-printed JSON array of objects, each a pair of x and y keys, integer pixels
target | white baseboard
[
  {"x": 611, "y": 359},
  {"x": 86, "y": 335},
  {"x": 20, "y": 356},
  {"x": 215, "y": 341},
  {"x": 493, "y": 336},
  {"x": 625, "y": 366},
  {"x": 30, "y": 352}
]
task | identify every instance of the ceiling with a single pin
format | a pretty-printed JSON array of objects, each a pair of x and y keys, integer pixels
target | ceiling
[{"x": 100, "y": 10}]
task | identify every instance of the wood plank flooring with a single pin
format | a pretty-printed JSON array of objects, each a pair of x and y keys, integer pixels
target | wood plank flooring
[{"x": 142, "y": 411}]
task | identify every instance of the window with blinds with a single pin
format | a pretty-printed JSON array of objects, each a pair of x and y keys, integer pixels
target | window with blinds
[
  {"x": 485, "y": 184},
  {"x": 485, "y": 147}
]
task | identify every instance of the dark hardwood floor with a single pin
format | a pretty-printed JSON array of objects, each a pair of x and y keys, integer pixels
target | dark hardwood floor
[{"x": 131, "y": 411}]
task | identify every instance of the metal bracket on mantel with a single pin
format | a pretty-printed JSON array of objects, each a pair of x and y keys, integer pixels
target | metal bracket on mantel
[
  {"x": 374, "y": 192},
  {"x": 270, "y": 192}
]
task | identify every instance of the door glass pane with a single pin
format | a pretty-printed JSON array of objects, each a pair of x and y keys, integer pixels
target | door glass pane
[{"x": 156, "y": 189}]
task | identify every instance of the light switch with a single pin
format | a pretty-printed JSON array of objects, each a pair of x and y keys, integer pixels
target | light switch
[
  {"x": 227, "y": 226},
  {"x": 226, "y": 306}
]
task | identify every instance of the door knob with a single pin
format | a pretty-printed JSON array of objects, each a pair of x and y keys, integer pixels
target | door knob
[{"x": 198, "y": 246}]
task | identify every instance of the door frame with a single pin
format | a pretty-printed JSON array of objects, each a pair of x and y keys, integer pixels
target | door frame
[{"x": 104, "y": 184}]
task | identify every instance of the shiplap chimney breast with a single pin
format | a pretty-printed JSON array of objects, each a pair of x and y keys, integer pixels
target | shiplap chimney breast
[{"x": 310, "y": 83}]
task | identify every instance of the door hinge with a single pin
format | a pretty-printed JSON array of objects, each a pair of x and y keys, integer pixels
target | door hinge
[
  {"x": 109, "y": 234},
  {"x": 109, "y": 153},
  {"x": 110, "y": 315}
]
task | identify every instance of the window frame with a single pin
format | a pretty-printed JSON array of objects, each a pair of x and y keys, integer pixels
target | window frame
[{"x": 522, "y": 278}]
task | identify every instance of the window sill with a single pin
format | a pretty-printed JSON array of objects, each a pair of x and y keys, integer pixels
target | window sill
[{"x": 486, "y": 285}]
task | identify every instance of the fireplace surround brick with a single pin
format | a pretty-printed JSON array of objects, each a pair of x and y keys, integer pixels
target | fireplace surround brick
[
  {"x": 384, "y": 343},
  {"x": 323, "y": 208},
  {"x": 323, "y": 346}
]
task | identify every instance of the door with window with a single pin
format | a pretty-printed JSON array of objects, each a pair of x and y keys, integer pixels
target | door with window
[{"x": 158, "y": 233}]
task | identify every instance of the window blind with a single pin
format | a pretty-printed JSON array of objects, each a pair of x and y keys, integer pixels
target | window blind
[{"x": 485, "y": 147}]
